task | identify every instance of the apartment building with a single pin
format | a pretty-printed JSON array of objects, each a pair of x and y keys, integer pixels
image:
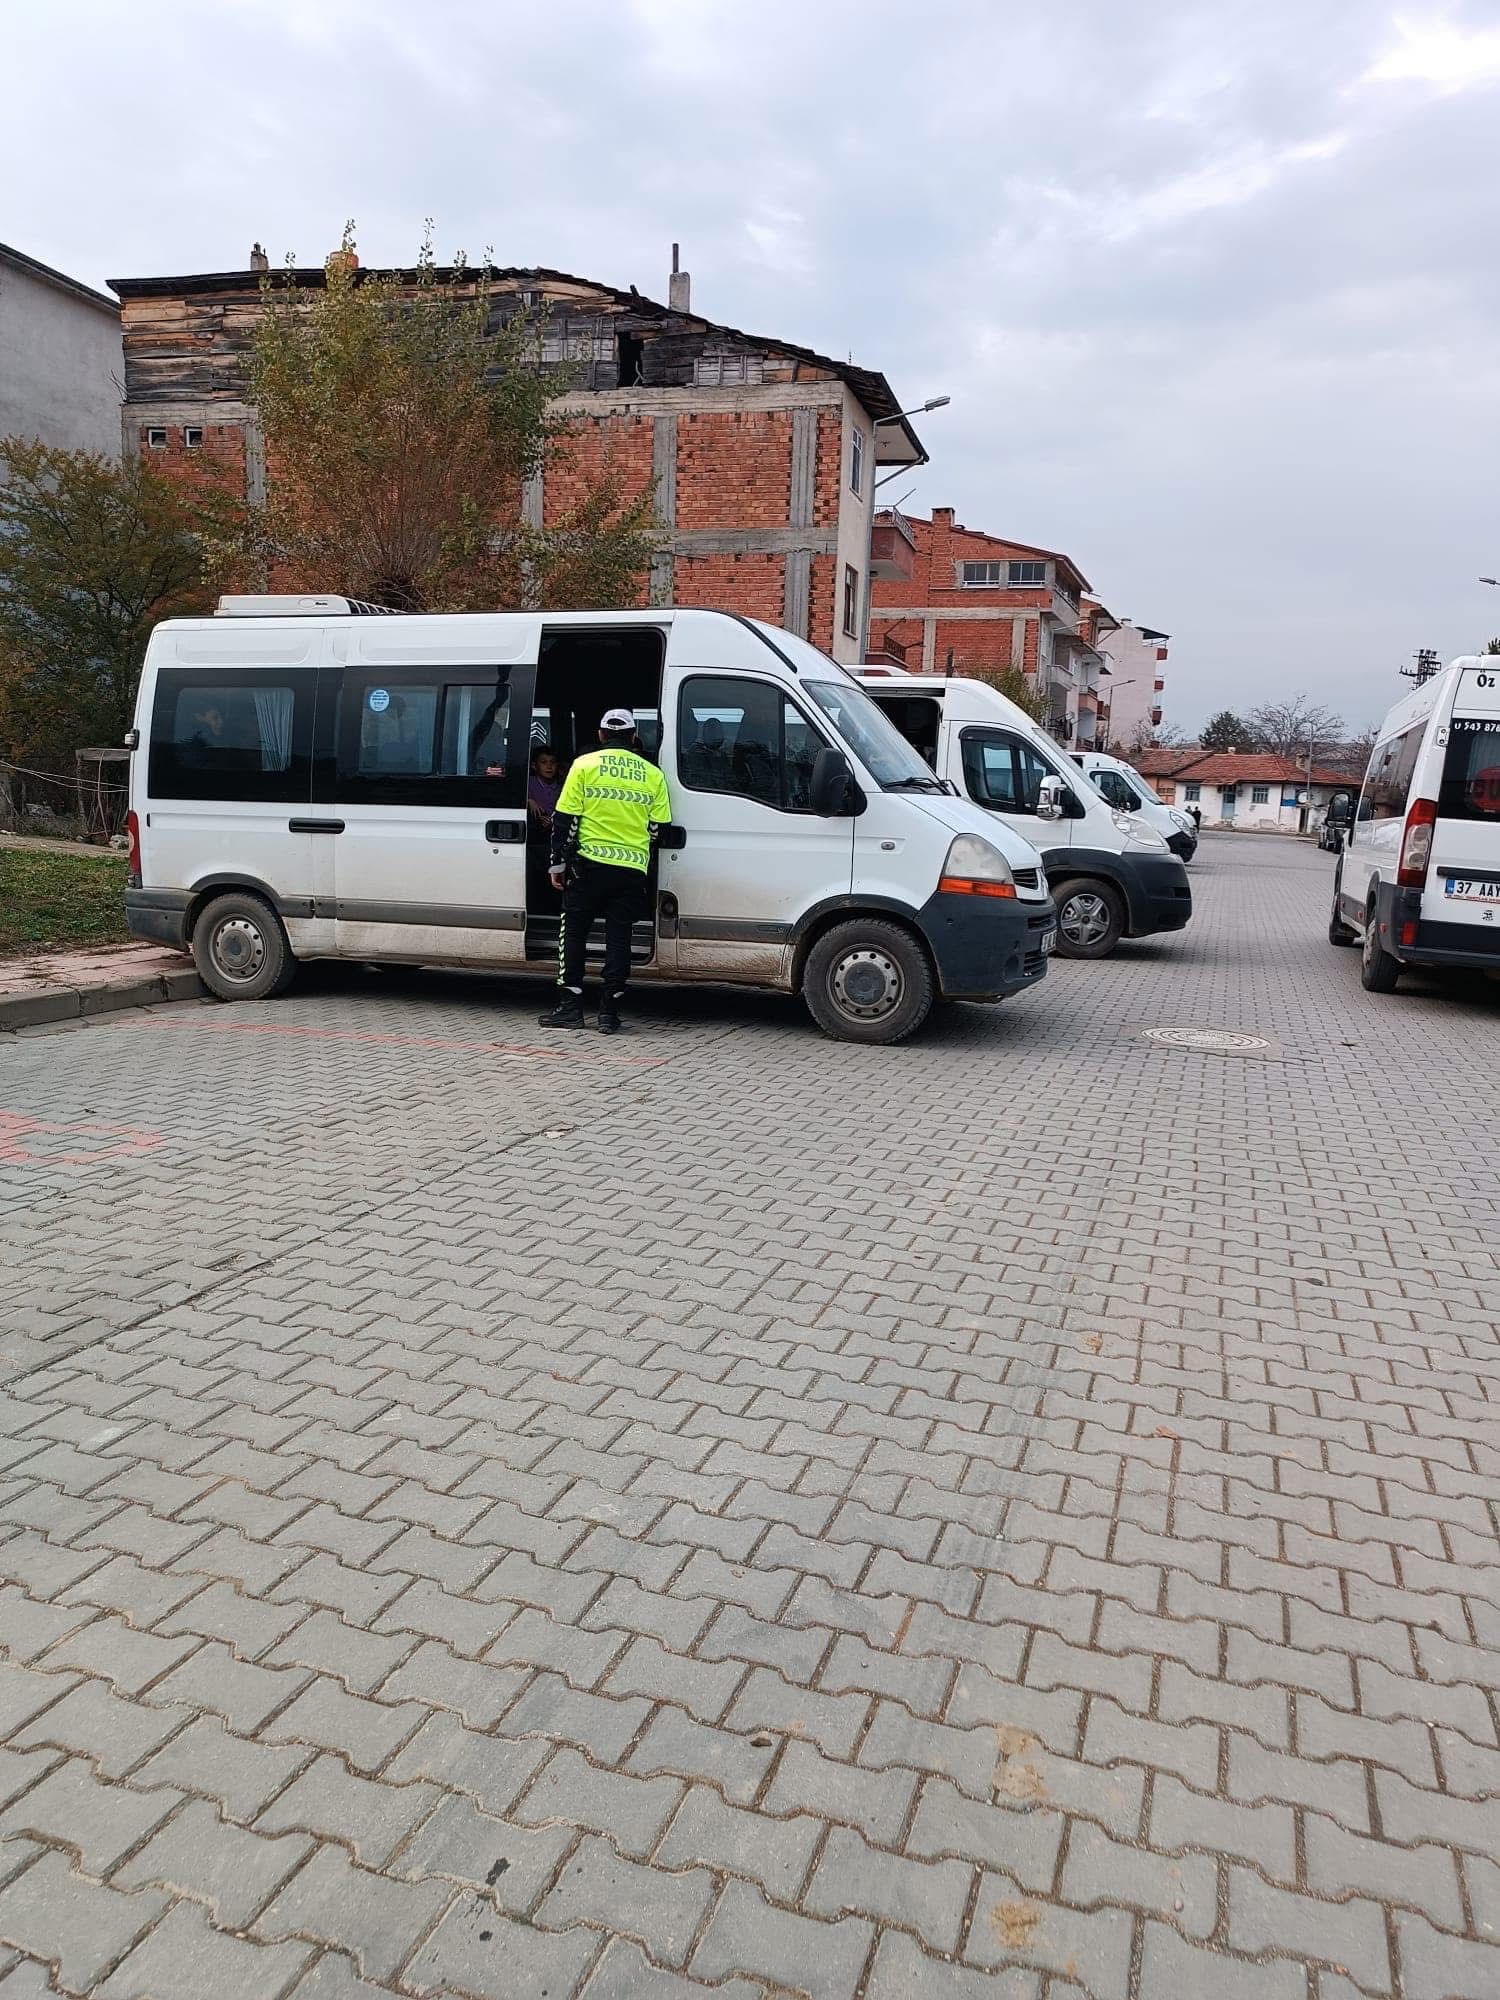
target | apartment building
[{"x": 972, "y": 602}]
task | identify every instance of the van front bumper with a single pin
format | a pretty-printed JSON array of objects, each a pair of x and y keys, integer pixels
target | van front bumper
[
  {"x": 1183, "y": 845},
  {"x": 1156, "y": 888},
  {"x": 158, "y": 914},
  {"x": 987, "y": 947}
]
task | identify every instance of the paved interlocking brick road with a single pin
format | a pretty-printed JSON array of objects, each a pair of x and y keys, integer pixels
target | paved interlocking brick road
[{"x": 720, "y": 1511}]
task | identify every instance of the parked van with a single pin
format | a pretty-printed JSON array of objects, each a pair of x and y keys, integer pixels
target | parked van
[
  {"x": 1112, "y": 876},
  {"x": 312, "y": 783},
  {"x": 1125, "y": 789},
  {"x": 1418, "y": 880}
]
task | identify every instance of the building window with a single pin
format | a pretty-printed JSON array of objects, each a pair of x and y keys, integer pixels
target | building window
[
  {"x": 1260, "y": 795},
  {"x": 1192, "y": 792},
  {"x": 192, "y": 436},
  {"x": 1166, "y": 793},
  {"x": 851, "y": 601},
  {"x": 983, "y": 576},
  {"x": 1028, "y": 574},
  {"x": 857, "y": 462},
  {"x": 156, "y": 440}
]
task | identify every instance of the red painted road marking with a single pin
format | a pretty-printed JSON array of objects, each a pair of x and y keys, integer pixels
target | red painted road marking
[
  {"x": 399, "y": 1041},
  {"x": 16, "y": 1127}
]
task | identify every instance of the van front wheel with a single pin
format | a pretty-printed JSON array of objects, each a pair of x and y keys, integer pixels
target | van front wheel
[
  {"x": 1090, "y": 918},
  {"x": 240, "y": 949},
  {"x": 868, "y": 982}
]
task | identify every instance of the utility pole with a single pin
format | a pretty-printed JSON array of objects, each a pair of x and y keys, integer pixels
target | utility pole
[{"x": 1307, "y": 809}]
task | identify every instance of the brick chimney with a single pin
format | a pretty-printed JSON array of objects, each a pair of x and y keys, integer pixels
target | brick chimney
[
  {"x": 259, "y": 261},
  {"x": 942, "y": 517},
  {"x": 679, "y": 286}
]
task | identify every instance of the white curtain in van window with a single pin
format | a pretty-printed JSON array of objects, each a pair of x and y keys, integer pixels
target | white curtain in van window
[{"x": 273, "y": 717}]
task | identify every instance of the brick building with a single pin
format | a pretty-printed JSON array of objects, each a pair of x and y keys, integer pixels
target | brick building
[
  {"x": 762, "y": 453},
  {"x": 951, "y": 599}
]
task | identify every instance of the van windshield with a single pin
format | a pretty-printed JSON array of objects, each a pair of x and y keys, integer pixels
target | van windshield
[
  {"x": 873, "y": 737},
  {"x": 1471, "y": 770}
]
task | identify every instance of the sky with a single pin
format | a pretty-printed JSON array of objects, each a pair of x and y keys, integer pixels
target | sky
[{"x": 1213, "y": 287}]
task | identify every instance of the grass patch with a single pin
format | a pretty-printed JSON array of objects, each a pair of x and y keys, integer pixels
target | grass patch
[{"x": 59, "y": 902}]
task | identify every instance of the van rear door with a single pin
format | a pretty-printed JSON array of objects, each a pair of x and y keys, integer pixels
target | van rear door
[
  {"x": 228, "y": 758},
  {"x": 429, "y": 790},
  {"x": 1463, "y": 880}
]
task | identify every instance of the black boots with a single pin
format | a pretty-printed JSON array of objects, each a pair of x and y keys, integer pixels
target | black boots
[
  {"x": 568, "y": 1013},
  {"x": 609, "y": 1014}
]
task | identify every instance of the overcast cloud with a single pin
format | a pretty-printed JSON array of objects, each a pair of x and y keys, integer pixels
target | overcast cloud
[{"x": 1213, "y": 287}]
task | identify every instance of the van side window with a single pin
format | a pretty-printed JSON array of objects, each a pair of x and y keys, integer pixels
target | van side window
[
  {"x": 1388, "y": 780},
  {"x": 405, "y": 740},
  {"x": 231, "y": 734},
  {"x": 745, "y": 738},
  {"x": 918, "y": 717},
  {"x": 1002, "y": 771}
]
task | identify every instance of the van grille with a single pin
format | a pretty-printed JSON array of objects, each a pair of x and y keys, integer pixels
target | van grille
[{"x": 1027, "y": 878}]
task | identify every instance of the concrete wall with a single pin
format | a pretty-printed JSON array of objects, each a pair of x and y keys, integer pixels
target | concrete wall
[
  {"x": 61, "y": 370},
  {"x": 1132, "y": 660}
]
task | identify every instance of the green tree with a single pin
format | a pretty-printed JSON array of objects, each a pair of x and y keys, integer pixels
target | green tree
[
  {"x": 402, "y": 418},
  {"x": 1012, "y": 683},
  {"x": 1227, "y": 731},
  {"x": 92, "y": 552}
]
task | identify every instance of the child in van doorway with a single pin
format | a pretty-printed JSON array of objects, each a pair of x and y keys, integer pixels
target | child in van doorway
[{"x": 544, "y": 786}]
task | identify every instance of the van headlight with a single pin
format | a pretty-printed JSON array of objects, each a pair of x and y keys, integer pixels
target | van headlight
[{"x": 974, "y": 868}]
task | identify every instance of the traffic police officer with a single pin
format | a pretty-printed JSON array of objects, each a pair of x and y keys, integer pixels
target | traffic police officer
[{"x": 604, "y": 827}]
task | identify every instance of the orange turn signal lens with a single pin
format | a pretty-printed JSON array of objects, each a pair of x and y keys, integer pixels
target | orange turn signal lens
[{"x": 967, "y": 885}]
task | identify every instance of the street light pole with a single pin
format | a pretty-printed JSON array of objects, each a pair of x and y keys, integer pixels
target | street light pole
[{"x": 921, "y": 410}]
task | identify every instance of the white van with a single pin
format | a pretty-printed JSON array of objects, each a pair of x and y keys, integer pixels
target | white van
[
  {"x": 1125, "y": 788},
  {"x": 1112, "y": 876},
  {"x": 1418, "y": 879},
  {"x": 312, "y": 783}
]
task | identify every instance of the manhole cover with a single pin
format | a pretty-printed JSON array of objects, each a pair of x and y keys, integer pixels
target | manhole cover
[{"x": 1220, "y": 1041}]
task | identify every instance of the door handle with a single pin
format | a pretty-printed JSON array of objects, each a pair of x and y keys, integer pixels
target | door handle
[
  {"x": 502, "y": 830},
  {"x": 315, "y": 826}
]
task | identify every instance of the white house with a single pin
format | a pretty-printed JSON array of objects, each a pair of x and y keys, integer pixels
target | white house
[{"x": 1254, "y": 791}]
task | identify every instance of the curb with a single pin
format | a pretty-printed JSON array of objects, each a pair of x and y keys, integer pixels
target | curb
[{"x": 72, "y": 1003}]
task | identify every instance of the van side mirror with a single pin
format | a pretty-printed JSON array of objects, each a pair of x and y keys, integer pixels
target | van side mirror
[
  {"x": 1340, "y": 809},
  {"x": 831, "y": 785},
  {"x": 1049, "y": 798}
]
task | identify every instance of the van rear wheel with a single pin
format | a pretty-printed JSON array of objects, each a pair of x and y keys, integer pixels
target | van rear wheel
[
  {"x": 1338, "y": 931},
  {"x": 868, "y": 981},
  {"x": 1090, "y": 918},
  {"x": 240, "y": 948},
  {"x": 1378, "y": 969}
]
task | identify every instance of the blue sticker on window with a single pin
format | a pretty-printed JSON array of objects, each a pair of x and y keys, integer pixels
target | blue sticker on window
[{"x": 380, "y": 700}]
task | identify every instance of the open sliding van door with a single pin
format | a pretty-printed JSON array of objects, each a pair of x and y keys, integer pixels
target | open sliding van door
[{"x": 426, "y": 787}]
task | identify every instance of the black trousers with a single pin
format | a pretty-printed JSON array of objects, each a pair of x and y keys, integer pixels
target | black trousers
[{"x": 595, "y": 889}]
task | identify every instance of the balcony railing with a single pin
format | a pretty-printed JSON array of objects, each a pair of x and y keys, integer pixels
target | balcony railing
[{"x": 893, "y": 547}]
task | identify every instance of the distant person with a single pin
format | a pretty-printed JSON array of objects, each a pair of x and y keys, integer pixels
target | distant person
[
  {"x": 1197, "y": 813},
  {"x": 544, "y": 785},
  {"x": 604, "y": 827}
]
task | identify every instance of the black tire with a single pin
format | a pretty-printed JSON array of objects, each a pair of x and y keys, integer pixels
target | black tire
[
  {"x": 1338, "y": 931},
  {"x": 1378, "y": 970},
  {"x": 1095, "y": 912},
  {"x": 868, "y": 981},
  {"x": 240, "y": 948}
]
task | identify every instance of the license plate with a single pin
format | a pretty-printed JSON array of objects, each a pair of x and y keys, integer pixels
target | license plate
[
  {"x": 1049, "y": 941},
  {"x": 1466, "y": 889}
]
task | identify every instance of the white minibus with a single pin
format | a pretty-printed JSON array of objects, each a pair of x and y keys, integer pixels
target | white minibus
[
  {"x": 1113, "y": 877},
  {"x": 1418, "y": 877},
  {"x": 310, "y": 782},
  {"x": 1124, "y": 787}
]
